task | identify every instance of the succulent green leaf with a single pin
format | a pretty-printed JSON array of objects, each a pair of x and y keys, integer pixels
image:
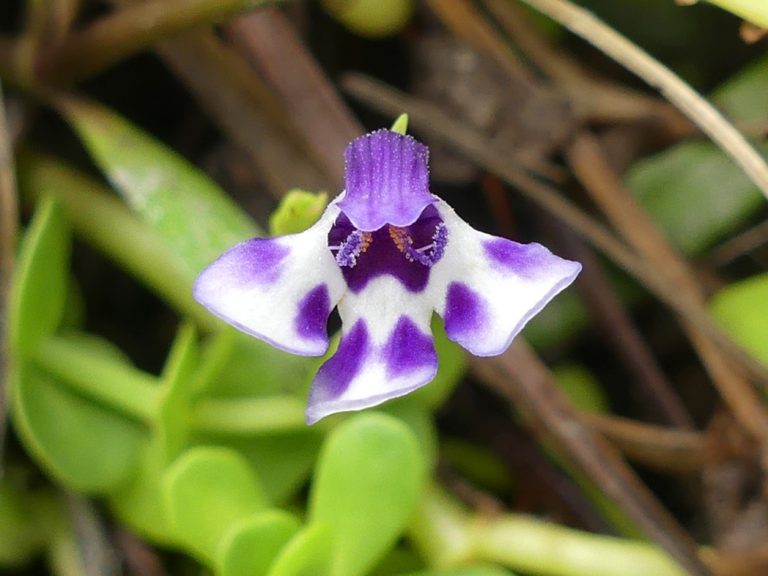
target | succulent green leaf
[
  {"x": 366, "y": 487},
  {"x": 742, "y": 311},
  {"x": 297, "y": 211},
  {"x": 206, "y": 491},
  {"x": 85, "y": 446},
  {"x": 742, "y": 97},
  {"x": 40, "y": 283},
  {"x": 282, "y": 462},
  {"x": 308, "y": 553},
  {"x": 194, "y": 217},
  {"x": 252, "y": 547}
]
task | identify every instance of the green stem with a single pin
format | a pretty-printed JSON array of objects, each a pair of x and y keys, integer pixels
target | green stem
[
  {"x": 447, "y": 535},
  {"x": 249, "y": 416},
  {"x": 101, "y": 377}
]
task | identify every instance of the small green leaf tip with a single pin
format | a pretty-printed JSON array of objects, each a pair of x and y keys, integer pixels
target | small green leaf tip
[
  {"x": 297, "y": 211},
  {"x": 401, "y": 124}
]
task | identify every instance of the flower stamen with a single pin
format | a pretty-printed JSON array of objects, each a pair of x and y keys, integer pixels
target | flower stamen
[
  {"x": 426, "y": 255},
  {"x": 349, "y": 251}
]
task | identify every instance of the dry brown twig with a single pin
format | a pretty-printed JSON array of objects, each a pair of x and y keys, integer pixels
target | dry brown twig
[{"x": 692, "y": 104}]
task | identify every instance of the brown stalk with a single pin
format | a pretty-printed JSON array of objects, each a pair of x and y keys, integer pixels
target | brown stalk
[
  {"x": 664, "y": 449},
  {"x": 129, "y": 30},
  {"x": 593, "y": 97},
  {"x": 621, "y": 334},
  {"x": 592, "y": 168},
  {"x": 463, "y": 19},
  {"x": 702, "y": 113},
  {"x": 431, "y": 120},
  {"x": 267, "y": 39},
  {"x": 519, "y": 376},
  {"x": 244, "y": 108}
]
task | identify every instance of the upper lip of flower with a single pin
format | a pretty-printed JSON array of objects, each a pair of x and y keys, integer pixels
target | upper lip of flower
[{"x": 387, "y": 253}]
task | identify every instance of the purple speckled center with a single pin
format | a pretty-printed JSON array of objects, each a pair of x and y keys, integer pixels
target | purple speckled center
[
  {"x": 464, "y": 311},
  {"x": 382, "y": 255},
  {"x": 335, "y": 375},
  {"x": 408, "y": 349},
  {"x": 522, "y": 259},
  {"x": 314, "y": 309}
]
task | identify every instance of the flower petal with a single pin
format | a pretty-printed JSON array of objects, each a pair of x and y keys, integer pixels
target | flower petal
[
  {"x": 487, "y": 288},
  {"x": 278, "y": 289},
  {"x": 386, "y": 350},
  {"x": 387, "y": 180}
]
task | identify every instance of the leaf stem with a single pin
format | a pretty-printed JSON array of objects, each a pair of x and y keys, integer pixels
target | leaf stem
[{"x": 447, "y": 535}]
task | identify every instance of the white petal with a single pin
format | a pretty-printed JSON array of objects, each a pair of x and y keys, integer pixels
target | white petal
[
  {"x": 487, "y": 288},
  {"x": 386, "y": 350},
  {"x": 278, "y": 289}
]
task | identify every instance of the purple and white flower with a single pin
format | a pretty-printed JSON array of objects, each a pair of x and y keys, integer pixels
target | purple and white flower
[{"x": 386, "y": 253}]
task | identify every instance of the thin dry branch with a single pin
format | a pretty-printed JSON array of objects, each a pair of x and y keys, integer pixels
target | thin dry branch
[
  {"x": 9, "y": 218},
  {"x": 129, "y": 30},
  {"x": 591, "y": 167},
  {"x": 268, "y": 40},
  {"x": 698, "y": 109},
  {"x": 520, "y": 376}
]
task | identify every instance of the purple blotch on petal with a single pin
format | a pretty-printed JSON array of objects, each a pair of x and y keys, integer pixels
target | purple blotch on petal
[
  {"x": 465, "y": 312},
  {"x": 386, "y": 180},
  {"x": 408, "y": 349},
  {"x": 313, "y": 312},
  {"x": 522, "y": 259},
  {"x": 335, "y": 375}
]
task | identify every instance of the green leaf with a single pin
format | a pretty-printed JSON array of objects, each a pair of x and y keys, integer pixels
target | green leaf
[
  {"x": 743, "y": 96},
  {"x": 105, "y": 222},
  {"x": 86, "y": 447},
  {"x": 297, "y": 211},
  {"x": 178, "y": 386},
  {"x": 741, "y": 309},
  {"x": 194, "y": 217},
  {"x": 693, "y": 190},
  {"x": 206, "y": 491},
  {"x": 309, "y": 553},
  {"x": 253, "y": 546},
  {"x": 695, "y": 193},
  {"x": 366, "y": 488},
  {"x": 40, "y": 283},
  {"x": 282, "y": 462}
]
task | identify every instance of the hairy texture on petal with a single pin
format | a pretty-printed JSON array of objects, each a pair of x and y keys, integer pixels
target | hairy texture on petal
[
  {"x": 278, "y": 289},
  {"x": 488, "y": 288},
  {"x": 386, "y": 350},
  {"x": 387, "y": 180}
]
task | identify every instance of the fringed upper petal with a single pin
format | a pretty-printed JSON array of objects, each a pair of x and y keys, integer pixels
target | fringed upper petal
[
  {"x": 278, "y": 289},
  {"x": 487, "y": 288},
  {"x": 386, "y": 350},
  {"x": 387, "y": 180}
]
